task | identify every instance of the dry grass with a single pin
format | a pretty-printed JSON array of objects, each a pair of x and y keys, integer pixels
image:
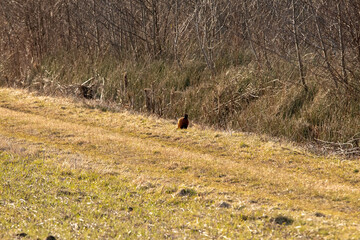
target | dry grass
[{"x": 197, "y": 183}]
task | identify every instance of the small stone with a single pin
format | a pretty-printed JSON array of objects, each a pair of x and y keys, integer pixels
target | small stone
[
  {"x": 21, "y": 235},
  {"x": 319, "y": 214},
  {"x": 281, "y": 220},
  {"x": 186, "y": 192},
  {"x": 225, "y": 205}
]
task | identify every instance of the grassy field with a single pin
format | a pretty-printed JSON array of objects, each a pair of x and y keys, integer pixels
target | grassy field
[{"x": 76, "y": 171}]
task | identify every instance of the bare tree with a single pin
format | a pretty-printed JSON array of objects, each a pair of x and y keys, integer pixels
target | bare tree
[
  {"x": 297, "y": 47},
  {"x": 274, "y": 31}
]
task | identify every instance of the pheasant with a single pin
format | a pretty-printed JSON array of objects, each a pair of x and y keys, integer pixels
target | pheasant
[{"x": 183, "y": 122}]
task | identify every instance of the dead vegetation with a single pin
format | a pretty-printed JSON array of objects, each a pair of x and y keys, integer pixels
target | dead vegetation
[{"x": 258, "y": 66}]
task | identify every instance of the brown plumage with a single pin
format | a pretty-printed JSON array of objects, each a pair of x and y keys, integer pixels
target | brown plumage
[{"x": 183, "y": 122}]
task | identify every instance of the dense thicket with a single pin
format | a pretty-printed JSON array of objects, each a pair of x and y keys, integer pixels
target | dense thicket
[{"x": 257, "y": 65}]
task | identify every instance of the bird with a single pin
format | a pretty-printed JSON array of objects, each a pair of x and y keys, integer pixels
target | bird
[{"x": 183, "y": 122}]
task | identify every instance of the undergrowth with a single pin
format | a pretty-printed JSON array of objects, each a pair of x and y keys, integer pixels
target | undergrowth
[{"x": 239, "y": 95}]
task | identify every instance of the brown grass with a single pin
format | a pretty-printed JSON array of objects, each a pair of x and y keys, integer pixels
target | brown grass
[{"x": 262, "y": 179}]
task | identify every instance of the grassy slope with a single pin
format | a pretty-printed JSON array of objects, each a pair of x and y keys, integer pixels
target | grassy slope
[{"x": 77, "y": 172}]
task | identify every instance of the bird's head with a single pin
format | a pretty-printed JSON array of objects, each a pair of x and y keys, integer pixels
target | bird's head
[{"x": 185, "y": 116}]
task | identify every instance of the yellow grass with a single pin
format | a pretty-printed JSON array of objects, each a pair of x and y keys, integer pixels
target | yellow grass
[{"x": 259, "y": 178}]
